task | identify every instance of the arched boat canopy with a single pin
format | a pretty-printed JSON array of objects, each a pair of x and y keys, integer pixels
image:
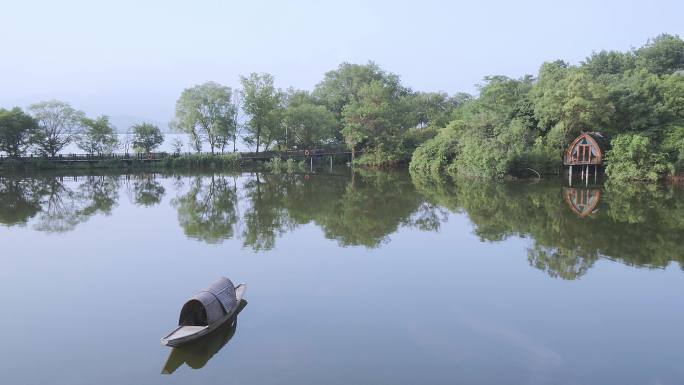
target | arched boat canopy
[{"x": 209, "y": 305}]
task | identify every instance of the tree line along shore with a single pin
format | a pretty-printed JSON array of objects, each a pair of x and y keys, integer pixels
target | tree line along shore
[{"x": 512, "y": 126}]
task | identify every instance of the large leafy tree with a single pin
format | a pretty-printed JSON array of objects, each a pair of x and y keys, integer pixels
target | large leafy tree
[
  {"x": 307, "y": 123},
  {"x": 17, "y": 132},
  {"x": 147, "y": 137},
  {"x": 434, "y": 108},
  {"x": 632, "y": 157},
  {"x": 662, "y": 55},
  {"x": 343, "y": 86},
  {"x": 377, "y": 119},
  {"x": 609, "y": 63},
  {"x": 568, "y": 101},
  {"x": 206, "y": 112},
  {"x": 262, "y": 102},
  {"x": 58, "y": 122},
  {"x": 97, "y": 136}
]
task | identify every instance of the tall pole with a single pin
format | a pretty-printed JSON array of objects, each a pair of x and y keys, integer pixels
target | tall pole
[
  {"x": 570, "y": 176},
  {"x": 586, "y": 176}
]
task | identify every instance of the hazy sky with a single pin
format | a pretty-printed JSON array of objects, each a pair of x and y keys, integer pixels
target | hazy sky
[{"x": 133, "y": 57}]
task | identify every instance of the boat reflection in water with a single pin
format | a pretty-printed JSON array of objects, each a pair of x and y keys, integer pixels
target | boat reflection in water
[
  {"x": 582, "y": 201},
  {"x": 197, "y": 353}
]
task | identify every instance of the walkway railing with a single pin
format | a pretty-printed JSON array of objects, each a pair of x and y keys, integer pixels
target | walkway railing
[{"x": 157, "y": 156}]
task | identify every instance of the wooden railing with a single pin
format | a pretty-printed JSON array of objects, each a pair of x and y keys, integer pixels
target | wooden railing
[{"x": 156, "y": 156}]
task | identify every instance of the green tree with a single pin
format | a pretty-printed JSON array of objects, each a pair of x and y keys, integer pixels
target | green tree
[
  {"x": 632, "y": 157},
  {"x": 307, "y": 123},
  {"x": 435, "y": 155},
  {"x": 377, "y": 120},
  {"x": 342, "y": 85},
  {"x": 662, "y": 55},
  {"x": 147, "y": 137},
  {"x": 609, "y": 63},
  {"x": 673, "y": 146},
  {"x": 547, "y": 95},
  {"x": 17, "y": 132},
  {"x": 567, "y": 101},
  {"x": 97, "y": 136},
  {"x": 434, "y": 108},
  {"x": 58, "y": 122},
  {"x": 262, "y": 102},
  {"x": 205, "y": 112}
]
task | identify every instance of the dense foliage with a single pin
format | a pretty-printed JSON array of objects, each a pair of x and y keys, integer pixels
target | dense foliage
[
  {"x": 58, "y": 122},
  {"x": 206, "y": 113},
  {"x": 513, "y": 127},
  {"x": 519, "y": 125},
  {"x": 17, "y": 132},
  {"x": 147, "y": 137},
  {"x": 97, "y": 136}
]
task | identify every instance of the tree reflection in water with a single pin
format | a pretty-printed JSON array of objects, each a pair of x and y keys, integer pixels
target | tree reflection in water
[
  {"x": 207, "y": 212},
  {"x": 148, "y": 191},
  {"x": 569, "y": 229},
  {"x": 639, "y": 225},
  {"x": 19, "y": 200}
]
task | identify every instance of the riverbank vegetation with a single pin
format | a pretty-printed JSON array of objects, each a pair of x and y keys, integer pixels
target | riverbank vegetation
[{"x": 513, "y": 127}]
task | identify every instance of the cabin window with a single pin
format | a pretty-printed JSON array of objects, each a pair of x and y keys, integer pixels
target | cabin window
[
  {"x": 193, "y": 314},
  {"x": 584, "y": 152}
]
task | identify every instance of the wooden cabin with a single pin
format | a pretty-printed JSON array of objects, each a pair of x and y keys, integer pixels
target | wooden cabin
[{"x": 587, "y": 149}]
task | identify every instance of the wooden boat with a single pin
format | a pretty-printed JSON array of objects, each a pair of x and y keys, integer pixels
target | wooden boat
[
  {"x": 206, "y": 312},
  {"x": 197, "y": 353}
]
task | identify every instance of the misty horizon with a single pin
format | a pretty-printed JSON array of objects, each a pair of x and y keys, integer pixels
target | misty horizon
[{"x": 135, "y": 61}]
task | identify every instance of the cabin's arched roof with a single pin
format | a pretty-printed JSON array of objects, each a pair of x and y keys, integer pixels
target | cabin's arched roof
[
  {"x": 598, "y": 144},
  {"x": 210, "y": 304}
]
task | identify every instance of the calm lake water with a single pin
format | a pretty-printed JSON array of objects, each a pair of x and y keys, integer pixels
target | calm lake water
[{"x": 366, "y": 278}]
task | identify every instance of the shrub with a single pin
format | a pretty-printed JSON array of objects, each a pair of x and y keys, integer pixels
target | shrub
[
  {"x": 632, "y": 157},
  {"x": 479, "y": 156},
  {"x": 673, "y": 146},
  {"x": 436, "y": 154}
]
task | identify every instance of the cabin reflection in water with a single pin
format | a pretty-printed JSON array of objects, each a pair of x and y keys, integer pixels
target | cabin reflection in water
[
  {"x": 582, "y": 201},
  {"x": 196, "y": 354}
]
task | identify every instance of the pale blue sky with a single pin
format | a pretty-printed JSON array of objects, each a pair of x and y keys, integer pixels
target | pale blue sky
[{"x": 133, "y": 57}]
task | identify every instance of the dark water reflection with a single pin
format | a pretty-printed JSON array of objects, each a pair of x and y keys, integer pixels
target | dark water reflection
[{"x": 570, "y": 227}]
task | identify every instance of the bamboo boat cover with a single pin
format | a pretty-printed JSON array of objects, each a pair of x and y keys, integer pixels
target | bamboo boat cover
[{"x": 210, "y": 304}]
